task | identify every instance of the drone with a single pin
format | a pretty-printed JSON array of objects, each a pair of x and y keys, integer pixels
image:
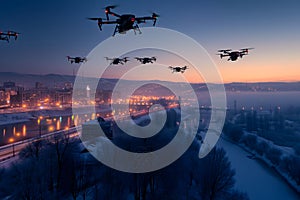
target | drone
[
  {"x": 116, "y": 61},
  {"x": 178, "y": 69},
  {"x": 233, "y": 55},
  {"x": 6, "y": 35},
  {"x": 124, "y": 22},
  {"x": 145, "y": 60},
  {"x": 76, "y": 59}
]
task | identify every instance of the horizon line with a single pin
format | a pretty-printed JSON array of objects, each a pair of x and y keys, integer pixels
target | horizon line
[{"x": 225, "y": 82}]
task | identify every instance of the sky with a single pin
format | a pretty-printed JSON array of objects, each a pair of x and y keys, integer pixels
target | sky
[{"x": 52, "y": 29}]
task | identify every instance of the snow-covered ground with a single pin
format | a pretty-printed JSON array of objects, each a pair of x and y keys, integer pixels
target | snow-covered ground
[
  {"x": 286, "y": 152},
  {"x": 254, "y": 177}
]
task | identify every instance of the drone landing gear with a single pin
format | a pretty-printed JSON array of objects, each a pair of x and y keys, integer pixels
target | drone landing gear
[
  {"x": 116, "y": 29},
  {"x": 137, "y": 28}
]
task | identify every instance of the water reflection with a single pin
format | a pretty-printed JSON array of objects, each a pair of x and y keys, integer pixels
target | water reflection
[
  {"x": 57, "y": 125},
  {"x": 24, "y": 130},
  {"x": 41, "y": 125}
]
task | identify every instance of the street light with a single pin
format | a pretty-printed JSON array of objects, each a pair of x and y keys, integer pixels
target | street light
[
  {"x": 39, "y": 121},
  {"x": 11, "y": 140}
]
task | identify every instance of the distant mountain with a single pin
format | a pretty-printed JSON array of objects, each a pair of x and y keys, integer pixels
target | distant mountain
[
  {"x": 264, "y": 86},
  {"x": 56, "y": 80},
  {"x": 29, "y": 80}
]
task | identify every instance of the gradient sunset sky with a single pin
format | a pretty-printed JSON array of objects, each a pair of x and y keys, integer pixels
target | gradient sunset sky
[{"x": 52, "y": 29}]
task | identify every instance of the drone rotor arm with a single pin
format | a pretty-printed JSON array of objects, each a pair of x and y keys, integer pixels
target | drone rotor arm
[
  {"x": 246, "y": 50},
  {"x": 107, "y": 58},
  {"x": 109, "y": 12},
  {"x": 144, "y": 19}
]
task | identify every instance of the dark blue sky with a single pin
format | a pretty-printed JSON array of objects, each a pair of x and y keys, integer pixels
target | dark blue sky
[{"x": 53, "y": 29}]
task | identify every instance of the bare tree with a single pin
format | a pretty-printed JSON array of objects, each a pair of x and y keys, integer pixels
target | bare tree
[
  {"x": 61, "y": 145},
  {"x": 33, "y": 149},
  {"x": 216, "y": 175}
]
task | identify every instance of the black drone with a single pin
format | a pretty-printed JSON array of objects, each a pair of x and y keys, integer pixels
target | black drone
[
  {"x": 6, "y": 35},
  {"x": 124, "y": 22},
  {"x": 116, "y": 61},
  {"x": 76, "y": 59},
  {"x": 145, "y": 60},
  {"x": 178, "y": 69},
  {"x": 233, "y": 55}
]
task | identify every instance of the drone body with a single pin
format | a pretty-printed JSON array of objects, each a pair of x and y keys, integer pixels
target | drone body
[
  {"x": 116, "y": 61},
  {"x": 178, "y": 69},
  {"x": 6, "y": 35},
  {"x": 233, "y": 55},
  {"x": 76, "y": 59},
  {"x": 145, "y": 60},
  {"x": 124, "y": 22}
]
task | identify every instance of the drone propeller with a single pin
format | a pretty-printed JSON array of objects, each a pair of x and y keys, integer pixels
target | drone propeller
[
  {"x": 224, "y": 50},
  {"x": 126, "y": 59},
  {"x": 99, "y": 19},
  {"x": 107, "y": 10},
  {"x": 13, "y": 33},
  {"x": 250, "y": 48},
  {"x": 155, "y": 16},
  {"x": 110, "y": 7},
  {"x": 246, "y": 50}
]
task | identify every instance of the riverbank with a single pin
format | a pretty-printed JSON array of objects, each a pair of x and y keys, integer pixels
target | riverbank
[
  {"x": 254, "y": 177},
  {"x": 266, "y": 163}
]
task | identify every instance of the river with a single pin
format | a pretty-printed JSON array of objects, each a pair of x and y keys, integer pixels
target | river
[
  {"x": 19, "y": 131},
  {"x": 255, "y": 178}
]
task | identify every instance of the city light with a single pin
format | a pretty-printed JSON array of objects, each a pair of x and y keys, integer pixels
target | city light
[
  {"x": 24, "y": 130},
  {"x": 51, "y": 128}
]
